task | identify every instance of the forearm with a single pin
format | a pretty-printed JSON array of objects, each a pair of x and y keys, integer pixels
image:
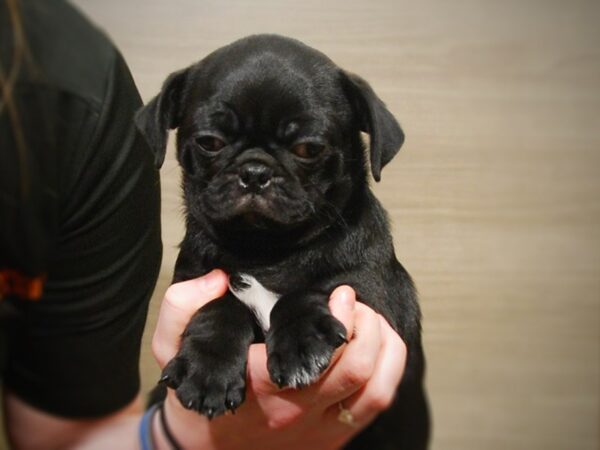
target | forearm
[
  {"x": 31, "y": 429},
  {"x": 120, "y": 430},
  {"x": 188, "y": 429}
]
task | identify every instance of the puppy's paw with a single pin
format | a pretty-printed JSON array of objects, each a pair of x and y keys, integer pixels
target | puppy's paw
[
  {"x": 301, "y": 350},
  {"x": 206, "y": 381}
]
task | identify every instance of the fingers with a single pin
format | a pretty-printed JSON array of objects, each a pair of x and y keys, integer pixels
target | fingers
[
  {"x": 258, "y": 377},
  {"x": 380, "y": 390},
  {"x": 181, "y": 301}
]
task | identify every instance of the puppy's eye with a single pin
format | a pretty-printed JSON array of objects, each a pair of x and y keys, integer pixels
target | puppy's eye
[
  {"x": 308, "y": 150},
  {"x": 210, "y": 144}
]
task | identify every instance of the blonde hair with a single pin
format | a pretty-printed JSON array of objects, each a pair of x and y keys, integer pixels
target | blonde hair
[{"x": 20, "y": 57}]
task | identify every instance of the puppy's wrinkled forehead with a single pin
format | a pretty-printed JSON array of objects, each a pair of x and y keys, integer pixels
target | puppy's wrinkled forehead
[{"x": 264, "y": 86}]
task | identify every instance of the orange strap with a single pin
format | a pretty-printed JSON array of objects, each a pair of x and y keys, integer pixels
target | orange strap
[{"x": 22, "y": 286}]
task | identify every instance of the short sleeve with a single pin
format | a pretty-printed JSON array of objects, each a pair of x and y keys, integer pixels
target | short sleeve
[{"x": 75, "y": 352}]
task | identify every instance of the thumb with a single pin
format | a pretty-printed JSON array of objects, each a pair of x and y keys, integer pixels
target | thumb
[
  {"x": 181, "y": 301},
  {"x": 342, "y": 303}
]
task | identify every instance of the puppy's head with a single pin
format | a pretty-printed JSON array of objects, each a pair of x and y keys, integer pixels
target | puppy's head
[{"x": 269, "y": 135}]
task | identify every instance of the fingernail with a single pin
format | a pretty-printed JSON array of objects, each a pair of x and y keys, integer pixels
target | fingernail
[
  {"x": 346, "y": 299},
  {"x": 211, "y": 280}
]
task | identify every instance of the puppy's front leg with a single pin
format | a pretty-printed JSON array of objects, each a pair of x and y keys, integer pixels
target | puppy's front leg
[
  {"x": 209, "y": 372},
  {"x": 302, "y": 338}
]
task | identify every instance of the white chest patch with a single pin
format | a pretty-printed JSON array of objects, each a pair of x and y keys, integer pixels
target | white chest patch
[{"x": 258, "y": 298}]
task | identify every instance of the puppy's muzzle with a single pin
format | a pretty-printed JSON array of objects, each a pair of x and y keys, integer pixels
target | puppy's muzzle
[
  {"x": 255, "y": 170},
  {"x": 255, "y": 176}
]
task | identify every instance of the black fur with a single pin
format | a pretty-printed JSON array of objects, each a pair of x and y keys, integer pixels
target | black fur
[{"x": 301, "y": 225}]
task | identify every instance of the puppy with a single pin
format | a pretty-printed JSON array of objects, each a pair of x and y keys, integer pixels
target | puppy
[{"x": 275, "y": 182}]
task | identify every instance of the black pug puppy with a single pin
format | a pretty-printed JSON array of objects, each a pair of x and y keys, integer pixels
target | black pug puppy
[{"x": 276, "y": 193}]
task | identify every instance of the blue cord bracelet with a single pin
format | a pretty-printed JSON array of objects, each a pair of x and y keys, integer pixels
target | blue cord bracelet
[{"x": 145, "y": 430}]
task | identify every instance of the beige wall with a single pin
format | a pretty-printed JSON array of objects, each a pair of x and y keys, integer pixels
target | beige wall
[{"x": 495, "y": 198}]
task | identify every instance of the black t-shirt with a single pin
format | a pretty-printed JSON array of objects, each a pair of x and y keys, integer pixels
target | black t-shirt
[{"x": 79, "y": 208}]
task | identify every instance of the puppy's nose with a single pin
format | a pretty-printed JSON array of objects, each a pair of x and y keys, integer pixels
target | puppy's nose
[{"x": 255, "y": 176}]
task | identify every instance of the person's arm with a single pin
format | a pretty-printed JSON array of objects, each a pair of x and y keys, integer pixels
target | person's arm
[
  {"x": 29, "y": 428},
  {"x": 364, "y": 378}
]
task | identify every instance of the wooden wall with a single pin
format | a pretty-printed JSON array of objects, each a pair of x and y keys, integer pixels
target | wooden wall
[{"x": 495, "y": 198}]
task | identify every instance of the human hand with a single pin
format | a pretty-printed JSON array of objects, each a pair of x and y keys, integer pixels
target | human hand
[{"x": 363, "y": 377}]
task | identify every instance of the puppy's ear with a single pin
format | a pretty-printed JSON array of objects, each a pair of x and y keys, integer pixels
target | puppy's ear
[
  {"x": 386, "y": 136},
  {"x": 162, "y": 114}
]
